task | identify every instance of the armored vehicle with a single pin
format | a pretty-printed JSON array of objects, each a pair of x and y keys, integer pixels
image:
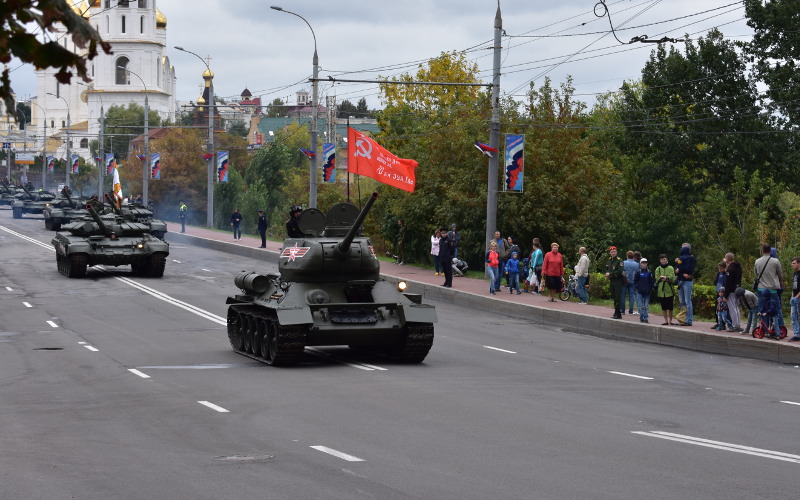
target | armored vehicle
[
  {"x": 61, "y": 211},
  {"x": 108, "y": 240},
  {"x": 328, "y": 292},
  {"x": 140, "y": 213},
  {"x": 30, "y": 202},
  {"x": 8, "y": 193}
]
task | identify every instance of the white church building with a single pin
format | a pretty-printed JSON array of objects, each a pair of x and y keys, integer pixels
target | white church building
[{"x": 137, "y": 32}]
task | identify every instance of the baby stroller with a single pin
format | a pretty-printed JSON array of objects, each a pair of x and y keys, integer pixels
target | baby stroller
[
  {"x": 767, "y": 310},
  {"x": 459, "y": 268}
]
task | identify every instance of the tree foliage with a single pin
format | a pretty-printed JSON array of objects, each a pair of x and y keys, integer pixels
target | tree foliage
[
  {"x": 123, "y": 124},
  {"x": 19, "y": 22}
]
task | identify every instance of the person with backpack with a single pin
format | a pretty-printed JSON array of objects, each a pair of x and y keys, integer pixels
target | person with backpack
[
  {"x": 643, "y": 282},
  {"x": 664, "y": 276}
]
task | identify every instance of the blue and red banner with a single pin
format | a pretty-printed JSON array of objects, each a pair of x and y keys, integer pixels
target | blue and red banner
[
  {"x": 207, "y": 156},
  {"x": 155, "y": 166},
  {"x": 51, "y": 163},
  {"x": 75, "y": 164},
  {"x": 515, "y": 161},
  {"x": 111, "y": 163},
  {"x": 309, "y": 154},
  {"x": 222, "y": 166},
  {"x": 367, "y": 157},
  {"x": 329, "y": 167}
]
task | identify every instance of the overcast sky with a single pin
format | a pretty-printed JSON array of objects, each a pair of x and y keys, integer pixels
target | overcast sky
[{"x": 270, "y": 52}]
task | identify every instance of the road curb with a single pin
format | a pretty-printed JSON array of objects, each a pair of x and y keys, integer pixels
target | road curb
[{"x": 583, "y": 324}]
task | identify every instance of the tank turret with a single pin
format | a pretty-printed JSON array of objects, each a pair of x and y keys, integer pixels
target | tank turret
[{"x": 97, "y": 220}]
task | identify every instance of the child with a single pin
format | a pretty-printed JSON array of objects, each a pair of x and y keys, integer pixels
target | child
[
  {"x": 643, "y": 283},
  {"x": 750, "y": 301},
  {"x": 719, "y": 281},
  {"x": 512, "y": 271},
  {"x": 722, "y": 312},
  {"x": 524, "y": 274}
]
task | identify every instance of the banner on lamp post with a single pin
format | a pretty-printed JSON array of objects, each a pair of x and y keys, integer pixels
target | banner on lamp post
[
  {"x": 515, "y": 160},
  {"x": 222, "y": 166},
  {"x": 155, "y": 166},
  {"x": 329, "y": 167}
]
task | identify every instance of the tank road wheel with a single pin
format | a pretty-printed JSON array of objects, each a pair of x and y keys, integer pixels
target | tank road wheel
[
  {"x": 247, "y": 340},
  {"x": 415, "y": 345},
  {"x": 263, "y": 333},
  {"x": 60, "y": 263},
  {"x": 285, "y": 344},
  {"x": 255, "y": 338},
  {"x": 76, "y": 265},
  {"x": 139, "y": 267},
  {"x": 156, "y": 264},
  {"x": 16, "y": 212},
  {"x": 272, "y": 342},
  {"x": 234, "y": 328}
]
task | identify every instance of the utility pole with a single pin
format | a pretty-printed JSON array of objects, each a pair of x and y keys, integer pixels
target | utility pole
[
  {"x": 494, "y": 132},
  {"x": 101, "y": 153}
]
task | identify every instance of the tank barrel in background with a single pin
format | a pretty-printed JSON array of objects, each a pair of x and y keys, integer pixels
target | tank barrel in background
[
  {"x": 67, "y": 196},
  {"x": 112, "y": 203},
  {"x": 27, "y": 192},
  {"x": 97, "y": 219},
  {"x": 344, "y": 245}
]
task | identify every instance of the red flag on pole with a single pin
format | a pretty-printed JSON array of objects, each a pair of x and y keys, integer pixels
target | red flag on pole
[{"x": 367, "y": 157}]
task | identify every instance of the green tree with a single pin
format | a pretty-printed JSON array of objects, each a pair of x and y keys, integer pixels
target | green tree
[
  {"x": 345, "y": 109},
  {"x": 21, "y": 20},
  {"x": 122, "y": 124},
  {"x": 276, "y": 108},
  {"x": 238, "y": 129}
]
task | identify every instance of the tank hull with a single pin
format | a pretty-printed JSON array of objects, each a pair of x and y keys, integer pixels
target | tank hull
[{"x": 145, "y": 254}]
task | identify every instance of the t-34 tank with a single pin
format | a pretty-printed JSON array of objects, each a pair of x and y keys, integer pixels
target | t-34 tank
[
  {"x": 110, "y": 241},
  {"x": 62, "y": 211},
  {"x": 329, "y": 292},
  {"x": 30, "y": 203}
]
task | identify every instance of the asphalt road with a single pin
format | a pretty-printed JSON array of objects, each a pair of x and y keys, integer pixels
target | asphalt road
[{"x": 117, "y": 386}]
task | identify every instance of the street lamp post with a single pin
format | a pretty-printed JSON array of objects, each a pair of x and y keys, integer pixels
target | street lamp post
[
  {"x": 69, "y": 143},
  {"x": 44, "y": 148},
  {"x": 146, "y": 166},
  {"x": 25, "y": 140},
  {"x": 211, "y": 107},
  {"x": 312, "y": 184}
]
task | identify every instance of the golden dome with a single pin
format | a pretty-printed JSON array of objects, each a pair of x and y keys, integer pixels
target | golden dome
[
  {"x": 161, "y": 20},
  {"x": 200, "y": 100},
  {"x": 207, "y": 74}
]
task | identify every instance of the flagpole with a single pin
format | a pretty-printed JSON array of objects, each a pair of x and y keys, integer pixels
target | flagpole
[
  {"x": 494, "y": 132},
  {"x": 348, "y": 164}
]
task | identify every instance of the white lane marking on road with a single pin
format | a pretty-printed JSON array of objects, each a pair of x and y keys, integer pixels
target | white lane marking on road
[
  {"x": 206, "y": 270},
  {"x": 52, "y": 323},
  {"x": 338, "y": 454},
  {"x": 361, "y": 366},
  {"x": 138, "y": 373},
  {"x": 214, "y": 407},
  {"x": 498, "y": 349},
  {"x": 720, "y": 445},
  {"x": 177, "y": 261},
  {"x": 790, "y": 403},
  {"x": 82, "y": 343},
  {"x": 27, "y": 304},
  {"x": 28, "y": 238},
  {"x": 93, "y": 349},
  {"x": 9, "y": 289},
  {"x": 631, "y": 375},
  {"x": 191, "y": 367}
]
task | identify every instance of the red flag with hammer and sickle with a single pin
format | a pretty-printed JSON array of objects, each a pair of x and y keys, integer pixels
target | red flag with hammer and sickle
[{"x": 367, "y": 157}]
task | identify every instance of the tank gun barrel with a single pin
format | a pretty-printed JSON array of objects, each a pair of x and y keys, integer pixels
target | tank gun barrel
[
  {"x": 97, "y": 219},
  {"x": 112, "y": 203},
  {"x": 26, "y": 191},
  {"x": 344, "y": 245}
]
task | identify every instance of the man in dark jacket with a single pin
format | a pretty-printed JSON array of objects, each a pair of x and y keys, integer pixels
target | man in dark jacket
[
  {"x": 615, "y": 270},
  {"x": 732, "y": 282},
  {"x": 262, "y": 228},
  {"x": 446, "y": 255},
  {"x": 684, "y": 271},
  {"x": 236, "y": 222}
]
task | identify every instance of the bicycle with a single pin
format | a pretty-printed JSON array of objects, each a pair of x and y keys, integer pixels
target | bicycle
[
  {"x": 763, "y": 328},
  {"x": 572, "y": 289}
]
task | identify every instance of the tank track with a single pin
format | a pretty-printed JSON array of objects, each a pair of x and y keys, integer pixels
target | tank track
[
  {"x": 251, "y": 327},
  {"x": 416, "y": 345}
]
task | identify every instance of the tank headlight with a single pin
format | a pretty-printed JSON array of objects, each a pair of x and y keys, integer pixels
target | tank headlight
[
  {"x": 140, "y": 245},
  {"x": 401, "y": 285}
]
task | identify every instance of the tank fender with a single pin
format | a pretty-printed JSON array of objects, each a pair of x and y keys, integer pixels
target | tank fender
[
  {"x": 78, "y": 247},
  {"x": 417, "y": 313},
  {"x": 294, "y": 316}
]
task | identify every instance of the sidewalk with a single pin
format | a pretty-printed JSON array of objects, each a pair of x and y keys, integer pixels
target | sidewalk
[{"x": 474, "y": 292}]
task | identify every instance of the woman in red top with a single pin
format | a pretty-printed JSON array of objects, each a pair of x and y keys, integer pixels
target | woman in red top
[
  {"x": 553, "y": 271},
  {"x": 492, "y": 263}
]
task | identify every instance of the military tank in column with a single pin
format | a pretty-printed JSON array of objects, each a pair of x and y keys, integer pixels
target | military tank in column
[
  {"x": 61, "y": 211},
  {"x": 328, "y": 292},
  {"x": 30, "y": 202},
  {"x": 140, "y": 213},
  {"x": 108, "y": 240}
]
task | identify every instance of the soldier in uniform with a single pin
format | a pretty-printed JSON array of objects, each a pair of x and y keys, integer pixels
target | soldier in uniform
[
  {"x": 96, "y": 203},
  {"x": 292, "y": 226},
  {"x": 262, "y": 228},
  {"x": 615, "y": 271}
]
